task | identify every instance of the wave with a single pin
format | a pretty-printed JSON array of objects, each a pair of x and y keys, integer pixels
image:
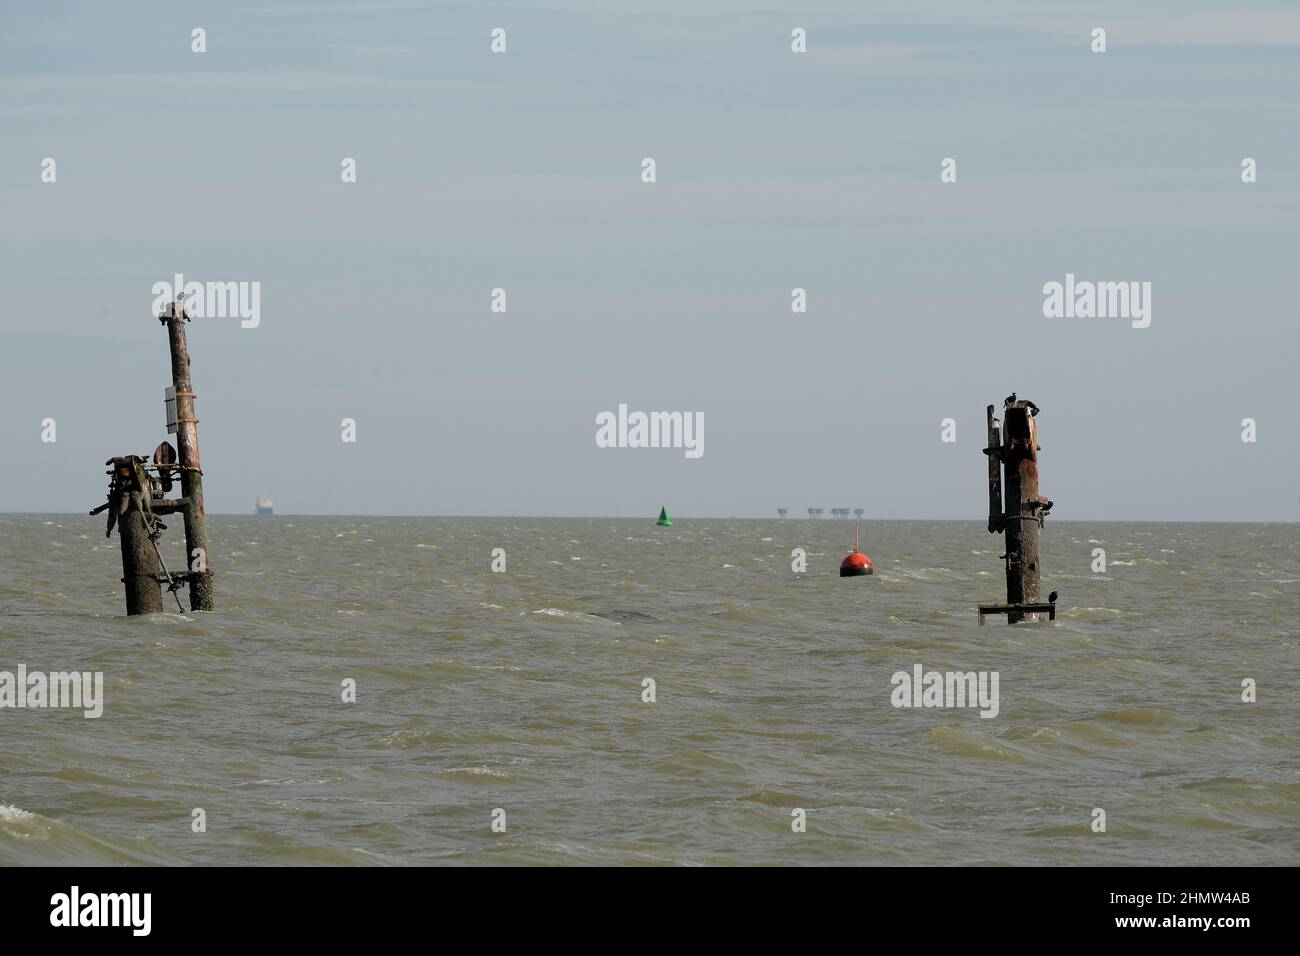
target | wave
[
  {"x": 1143, "y": 716},
  {"x": 575, "y": 616},
  {"x": 963, "y": 743},
  {"x": 30, "y": 839},
  {"x": 9, "y": 813}
]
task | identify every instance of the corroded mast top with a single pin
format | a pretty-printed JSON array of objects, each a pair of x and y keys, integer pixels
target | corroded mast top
[{"x": 187, "y": 444}]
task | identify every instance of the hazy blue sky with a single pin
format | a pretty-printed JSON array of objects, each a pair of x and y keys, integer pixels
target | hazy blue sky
[{"x": 775, "y": 170}]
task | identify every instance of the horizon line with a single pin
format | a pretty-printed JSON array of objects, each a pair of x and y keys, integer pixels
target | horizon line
[{"x": 652, "y": 518}]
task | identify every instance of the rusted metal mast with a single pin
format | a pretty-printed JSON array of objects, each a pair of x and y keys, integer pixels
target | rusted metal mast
[
  {"x": 197, "y": 554},
  {"x": 1016, "y": 508},
  {"x": 994, "y": 453},
  {"x": 1021, "y": 505},
  {"x": 128, "y": 505}
]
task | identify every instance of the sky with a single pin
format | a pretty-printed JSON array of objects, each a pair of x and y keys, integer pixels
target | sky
[{"x": 775, "y": 170}]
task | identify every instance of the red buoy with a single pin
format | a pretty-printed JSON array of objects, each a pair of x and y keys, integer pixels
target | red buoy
[{"x": 856, "y": 563}]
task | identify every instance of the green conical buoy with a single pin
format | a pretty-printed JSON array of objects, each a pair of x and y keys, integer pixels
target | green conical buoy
[{"x": 664, "y": 521}]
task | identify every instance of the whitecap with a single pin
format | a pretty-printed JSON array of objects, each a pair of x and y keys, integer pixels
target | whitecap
[{"x": 477, "y": 772}]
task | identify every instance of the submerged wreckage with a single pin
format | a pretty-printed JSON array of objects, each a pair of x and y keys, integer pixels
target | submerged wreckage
[
  {"x": 137, "y": 496},
  {"x": 1016, "y": 508}
]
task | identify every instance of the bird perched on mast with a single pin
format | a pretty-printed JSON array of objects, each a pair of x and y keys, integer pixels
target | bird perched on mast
[{"x": 177, "y": 308}]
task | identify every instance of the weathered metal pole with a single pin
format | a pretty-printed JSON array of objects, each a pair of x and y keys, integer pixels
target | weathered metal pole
[
  {"x": 994, "y": 451},
  {"x": 140, "y": 565},
  {"x": 1017, "y": 509},
  {"x": 128, "y": 502},
  {"x": 197, "y": 554},
  {"x": 1022, "y": 504}
]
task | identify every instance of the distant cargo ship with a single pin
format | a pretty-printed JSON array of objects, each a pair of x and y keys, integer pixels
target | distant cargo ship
[{"x": 264, "y": 506}]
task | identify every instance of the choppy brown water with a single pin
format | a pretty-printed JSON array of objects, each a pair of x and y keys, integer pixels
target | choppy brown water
[{"x": 522, "y": 691}]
